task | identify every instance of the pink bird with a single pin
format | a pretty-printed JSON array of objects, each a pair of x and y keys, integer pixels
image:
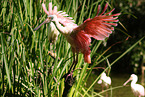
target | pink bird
[
  {"x": 79, "y": 37},
  {"x": 137, "y": 89}
]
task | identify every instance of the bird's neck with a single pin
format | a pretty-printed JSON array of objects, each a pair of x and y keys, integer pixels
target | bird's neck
[
  {"x": 133, "y": 82},
  {"x": 60, "y": 28}
]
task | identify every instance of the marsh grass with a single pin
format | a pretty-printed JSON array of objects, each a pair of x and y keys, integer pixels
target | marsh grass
[{"x": 27, "y": 67}]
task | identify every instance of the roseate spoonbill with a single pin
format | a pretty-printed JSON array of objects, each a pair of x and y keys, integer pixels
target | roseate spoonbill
[
  {"x": 137, "y": 89},
  {"x": 79, "y": 37},
  {"x": 52, "y": 31},
  {"x": 104, "y": 80}
]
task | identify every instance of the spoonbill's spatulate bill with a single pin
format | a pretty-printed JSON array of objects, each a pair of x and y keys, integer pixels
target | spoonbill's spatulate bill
[{"x": 137, "y": 89}]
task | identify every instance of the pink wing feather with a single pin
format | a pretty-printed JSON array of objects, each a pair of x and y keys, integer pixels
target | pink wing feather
[{"x": 99, "y": 27}]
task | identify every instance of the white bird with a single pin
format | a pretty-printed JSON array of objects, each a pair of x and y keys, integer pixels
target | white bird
[
  {"x": 104, "y": 80},
  {"x": 137, "y": 89},
  {"x": 52, "y": 31}
]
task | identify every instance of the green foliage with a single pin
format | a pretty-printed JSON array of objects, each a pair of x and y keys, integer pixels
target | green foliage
[
  {"x": 30, "y": 65},
  {"x": 133, "y": 20}
]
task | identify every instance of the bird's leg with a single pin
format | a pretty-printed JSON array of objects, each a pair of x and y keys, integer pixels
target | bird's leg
[
  {"x": 107, "y": 87},
  {"x": 102, "y": 87},
  {"x": 69, "y": 80},
  {"x": 75, "y": 63},
  {"x": 70, "y": 72},
  {"x": 72, "y": 63}
]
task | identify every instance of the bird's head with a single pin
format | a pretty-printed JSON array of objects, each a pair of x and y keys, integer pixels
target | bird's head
[
  {"x": 49, "y": 19},
  {"x": 52, "y": 18},
  {"x": 103, "y": 74},
  {"x": 132, "y": 78}
]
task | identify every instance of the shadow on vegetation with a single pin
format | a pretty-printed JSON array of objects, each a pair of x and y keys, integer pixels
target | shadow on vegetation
[{"x": 134, "y": 23}]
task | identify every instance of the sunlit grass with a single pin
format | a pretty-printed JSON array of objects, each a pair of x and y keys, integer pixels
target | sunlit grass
[{"x": 27, "y": 66}]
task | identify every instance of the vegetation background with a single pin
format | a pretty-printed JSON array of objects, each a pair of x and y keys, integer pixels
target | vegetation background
[{"x": 31, "y": 66}]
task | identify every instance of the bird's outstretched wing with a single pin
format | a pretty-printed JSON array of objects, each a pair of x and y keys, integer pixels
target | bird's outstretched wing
[
  {"x": 62, "y": 17},
  {"x": 99, "y": 27}
]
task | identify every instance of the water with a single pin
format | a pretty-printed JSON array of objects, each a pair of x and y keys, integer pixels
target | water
[{"x": 117, "y": 81}]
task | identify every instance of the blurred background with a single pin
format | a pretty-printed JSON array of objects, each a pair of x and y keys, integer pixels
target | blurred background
[{"x": 133, "y": 20}]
